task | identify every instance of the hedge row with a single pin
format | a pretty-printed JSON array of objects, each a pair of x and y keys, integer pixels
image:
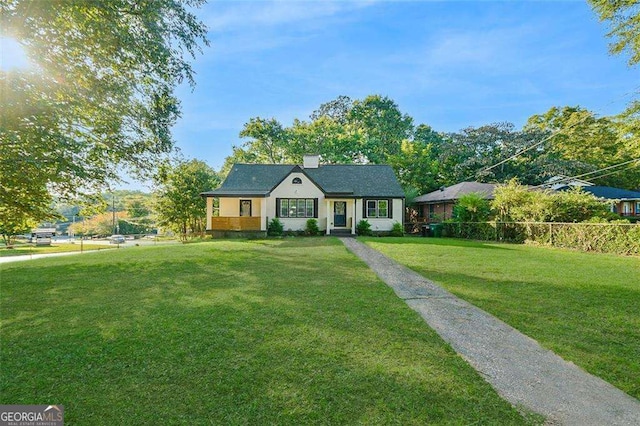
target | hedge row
[{"x": 619, "y": 238}]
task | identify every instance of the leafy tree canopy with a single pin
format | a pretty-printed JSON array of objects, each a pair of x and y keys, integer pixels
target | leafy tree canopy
[
  {"x": 623, "y": 18},
  {"x": 583, "y": 143},
  {"x": 563, "y": 141},
  {"x": 99, "y": 97},
  {"x": 179, "y": 205}
]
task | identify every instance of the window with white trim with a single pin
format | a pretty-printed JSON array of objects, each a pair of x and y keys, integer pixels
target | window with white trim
[
  {"x": 378, "y": 208},
  {"x": 297, "y": 207}
]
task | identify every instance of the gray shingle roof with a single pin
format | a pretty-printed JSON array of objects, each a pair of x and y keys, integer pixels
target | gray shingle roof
[
  {"x": 353, "y": 180},
  {"x": 456, "y": 191},
  {"x": 612, "y": 193}
]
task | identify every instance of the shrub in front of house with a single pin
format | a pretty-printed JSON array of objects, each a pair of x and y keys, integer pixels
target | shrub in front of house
[
  {"x": 363, "y": 228},
  {"x": 396, "y": 230},
  {"x": 275, "y": 228},
  {"x": 312, "y": 227}
]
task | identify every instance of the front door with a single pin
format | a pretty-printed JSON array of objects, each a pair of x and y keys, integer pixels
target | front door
[{"x": 340, "y": 213}]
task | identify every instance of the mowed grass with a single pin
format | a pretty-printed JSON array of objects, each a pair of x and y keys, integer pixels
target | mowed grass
[
  {"x": 294, "y": 331},
  {"x": 583, "y": 306}
]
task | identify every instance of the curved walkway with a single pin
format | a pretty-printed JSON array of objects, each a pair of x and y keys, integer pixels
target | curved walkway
[{"x": 521, "y": 371}]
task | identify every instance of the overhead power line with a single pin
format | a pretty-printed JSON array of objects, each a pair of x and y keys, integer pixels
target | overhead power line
[
  {"x": 569, "y": 178},
  {"x": 554, "y": 133},
  {"x": 529, "y": 148}
]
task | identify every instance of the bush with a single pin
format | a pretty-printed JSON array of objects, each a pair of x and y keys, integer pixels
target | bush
[
  {"x": 397, "y": 230},
  {"x": 517, "y": 203},
  {"x": 472, "y": 207},
  {"x": 312, "y": 227},
  {"x": 363, "y": 228},
  {"x": 595, "y": 235},
  {"x": 275, "y": 227}
]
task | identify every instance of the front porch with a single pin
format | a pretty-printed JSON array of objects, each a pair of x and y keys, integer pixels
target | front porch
[
  {"x": 340, "y": 217},
  {"x": 241, "y": 223}
]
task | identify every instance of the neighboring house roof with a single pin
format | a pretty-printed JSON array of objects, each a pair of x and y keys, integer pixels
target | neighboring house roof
[
  {"x": 560, "y": 181},
  {"x": 611, "y": 193},
  {"x": 338, "y": 180},
  {"x": 456, "y": 191}
]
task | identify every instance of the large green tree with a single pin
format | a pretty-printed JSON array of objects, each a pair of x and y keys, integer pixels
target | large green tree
[
  {"x": 99, "y": 97},
  {"x": 492, "y": 153},
  {"x": 179, "y": 205},
  {"x": 382, "y": 126},
  {"x": 584, "y": 144},
  {"x": 623, "y": 19}
]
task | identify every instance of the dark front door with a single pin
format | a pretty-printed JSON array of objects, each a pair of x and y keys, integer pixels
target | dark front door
[{"x": 340, "y": 213}]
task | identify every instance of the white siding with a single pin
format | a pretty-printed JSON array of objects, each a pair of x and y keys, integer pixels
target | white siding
[
  {"x": 385, "y": 224},
  {"x": 306, "y": 189}
]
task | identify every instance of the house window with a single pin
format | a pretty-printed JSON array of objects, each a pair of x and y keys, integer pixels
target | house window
[
  {"x": 216, "y": 207},
  {"x": 245, "y": 207},
  {"x": 296, "y": 181},
  {"x": 377, "y": 208},
  {"x": 297, "y": 207},
  {"x": 637, "y": 207},
  {"x": 626, "y": 208}
]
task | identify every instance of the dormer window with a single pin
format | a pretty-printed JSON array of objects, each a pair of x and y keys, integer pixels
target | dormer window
[{"x": 296, "y": 181}]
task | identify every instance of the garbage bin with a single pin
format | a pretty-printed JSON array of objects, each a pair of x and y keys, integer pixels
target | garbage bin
[
  {"x": 436, "y": 230},
  {"x": 425, "y": 230}
]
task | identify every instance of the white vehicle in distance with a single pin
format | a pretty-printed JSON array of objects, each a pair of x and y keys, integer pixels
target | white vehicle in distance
[{"x": 116, "y": 239}]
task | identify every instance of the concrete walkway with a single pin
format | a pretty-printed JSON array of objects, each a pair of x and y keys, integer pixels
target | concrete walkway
[{"x": 521, "y": 371}]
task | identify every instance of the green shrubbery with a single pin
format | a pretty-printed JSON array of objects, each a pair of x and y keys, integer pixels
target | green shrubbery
[
  {"x": 312, "y": 227},
  {"x": 364, "y": 228},
  {"x": 618, "y": 237},
  {"x": 517, "y": 203},
  {"x": 397, "y": 230},
  {"x": 571, "y": 219},
  {"x": 275, "y": 228}
]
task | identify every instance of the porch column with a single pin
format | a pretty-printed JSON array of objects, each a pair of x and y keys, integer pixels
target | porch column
[
  {"x": 209, "y": 211},
  {"x": 328, "y": 231},
  {"x": 263, "y": 214},
  {"x": 353, "y": 220}
]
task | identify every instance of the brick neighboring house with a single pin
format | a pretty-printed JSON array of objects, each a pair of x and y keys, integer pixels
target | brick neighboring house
[{"x": 437, "y": 206}]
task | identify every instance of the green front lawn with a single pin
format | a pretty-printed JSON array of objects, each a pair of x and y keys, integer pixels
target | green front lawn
[
  {"x": 583, "y": 306},
  {"x": 292, "y": 331}
]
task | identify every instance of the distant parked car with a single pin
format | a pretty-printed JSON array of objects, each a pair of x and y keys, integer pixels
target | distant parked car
[{"x": 116, "y": 239}]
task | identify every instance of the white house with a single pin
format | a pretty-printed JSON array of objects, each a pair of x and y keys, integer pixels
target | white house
[{"x": 338, "y": 196}]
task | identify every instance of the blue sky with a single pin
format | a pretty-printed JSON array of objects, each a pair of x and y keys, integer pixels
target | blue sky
[{"x": 449, "y": 64}]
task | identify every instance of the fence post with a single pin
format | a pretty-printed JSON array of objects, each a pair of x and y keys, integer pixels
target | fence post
[{"x": 551, "y": 233}]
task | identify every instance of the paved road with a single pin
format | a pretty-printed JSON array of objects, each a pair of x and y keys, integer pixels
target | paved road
[
  {"x": 128, "y": 244},
  {"x": 521, "y": 371},
  {"x": 19, "y": 258}
]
